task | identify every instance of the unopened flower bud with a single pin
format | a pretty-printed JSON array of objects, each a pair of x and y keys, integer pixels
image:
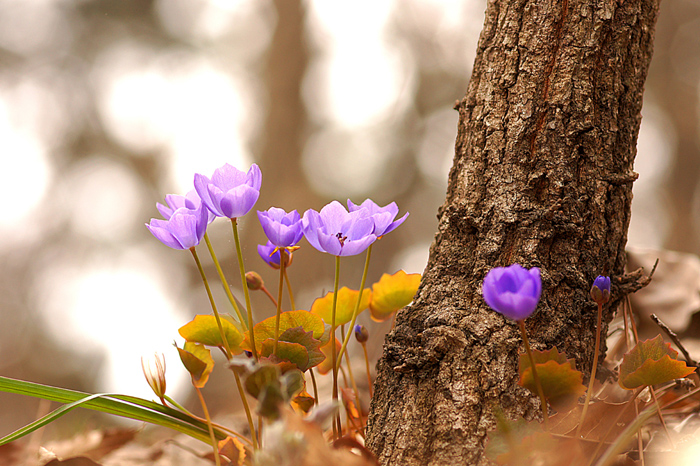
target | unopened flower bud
[
  {"x": 154, "y": 371},
  {"x": 361, "y": 333},
  {"x": 600, "y": 292},
  {"x": 254, "y": 281}
]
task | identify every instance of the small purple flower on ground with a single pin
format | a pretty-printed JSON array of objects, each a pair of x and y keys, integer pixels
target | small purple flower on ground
[
  {"x": 383, "y": 217},
  {"x": 183, "y": 230},
  {"x": 513, "y": 291},
  {"x": 600, "y": 291},
  {"x": 283, "y": 229},
  {"x": 173, "y": 202},
  {"x": 273, "y": 259},
  {"x": 338, "y": 232},
  {"x": 230, "y": 192}
]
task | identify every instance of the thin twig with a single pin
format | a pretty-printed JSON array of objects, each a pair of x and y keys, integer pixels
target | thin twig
[{"x": 672, "y": 335}]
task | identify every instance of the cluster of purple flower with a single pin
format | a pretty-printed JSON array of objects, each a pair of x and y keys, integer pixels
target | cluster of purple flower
[{"x": 232, "y": 193}]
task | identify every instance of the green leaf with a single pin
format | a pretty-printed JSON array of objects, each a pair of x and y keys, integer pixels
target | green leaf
[
  {"x": 293, "y": 353},
  {"x": 119, "y": 405},
  {"x": 198, "y": 362},
  {"x": 204, "y": 329},
  {"x": 651, "y": 362},
  {"x": 306, "y": 339},
  {"x": 347, "y": 300},
  {"x": 391, "y": 293}
]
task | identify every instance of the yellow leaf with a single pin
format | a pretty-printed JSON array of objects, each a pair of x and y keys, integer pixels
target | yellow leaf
[
  {"x": 391, "y": 293},
  {"x": 347, "y": 300}
]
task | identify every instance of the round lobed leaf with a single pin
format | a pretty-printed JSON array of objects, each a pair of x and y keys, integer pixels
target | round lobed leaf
[
  {"x": 347, "y": 300},
  {"x": 391, "y": 293}
]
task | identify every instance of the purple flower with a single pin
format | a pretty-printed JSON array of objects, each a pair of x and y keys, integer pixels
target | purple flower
[
  {"x": 336, "y": 231},
  {"x": 230, "y": 192},
  {"x": 183, "y": 230},
  {"x": 282, "y": 229},
  {"x": 273, "y": 260},
  {"x": 383, "y": 217},
  {"x": 513, "y": 291},
  {"x": 191, "y": 201},
  {"x": 600, "y": 291}
]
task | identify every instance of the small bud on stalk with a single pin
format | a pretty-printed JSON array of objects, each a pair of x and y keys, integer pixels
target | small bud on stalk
[
  {"x": 254, "y": 281},
  {"x": 361, "y": 334},
  {"x": 600, "y": 291},
  {"x": 154, "y": 371}
]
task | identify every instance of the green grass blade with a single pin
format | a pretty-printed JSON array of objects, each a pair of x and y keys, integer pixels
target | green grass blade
[
  {"x": 118, "y": 405},
  {"x": 52, "y": 416}
]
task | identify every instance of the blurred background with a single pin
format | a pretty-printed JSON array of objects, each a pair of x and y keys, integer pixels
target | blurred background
[{"x": 108, "y": 105}]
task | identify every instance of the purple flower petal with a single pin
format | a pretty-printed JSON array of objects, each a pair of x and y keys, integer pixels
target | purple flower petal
[
  {"x": 383, "y": 216},
  {"x": 230, "y": 192},
  {"x": 513, "y": 291},
  {"x": 265, "y": 252},
  {"x": 336, "y": 231}
]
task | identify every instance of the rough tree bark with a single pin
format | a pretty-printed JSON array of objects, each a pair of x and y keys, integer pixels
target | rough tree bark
[{"x": 542, "y": 176}]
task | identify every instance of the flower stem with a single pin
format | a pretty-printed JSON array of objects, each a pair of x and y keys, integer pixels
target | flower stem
[
  {"x": 538, "y": 384},
  {"x": 313, "y": 382},
  {"x": 589, "y": 392},
  {"x": 357, "y": 304},
  {"x": 352, "y": 380},
  {"x": 264, "y": 289},
  {"x": 177, "y": 405},
  {"x": 213, "y": 304},
  {"x": 214, "y": 443},
  {"x": 334, "y": 356},
  {"x": 249, "y": 309},
  {"x": 224, "y": 283},
  {"x": 283, "y": 253},
  {"x": 251, "y": 425},
  {"x": 289, "y": 291}
]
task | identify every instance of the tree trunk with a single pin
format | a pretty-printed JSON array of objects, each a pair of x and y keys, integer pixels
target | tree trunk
[{"x": 542, "y": 176}]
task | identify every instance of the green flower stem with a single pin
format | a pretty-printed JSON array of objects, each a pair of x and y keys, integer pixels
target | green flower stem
[
  {"x": 178, "y": 405},
  {"x": 369, "y": 376},
  {"x": 224, "y": 283},
  {"x": 289, "y": 290},
  {"x": 283, "y": 253},
  {"x": 214, "y": 443},
  {"x": 226, "y": 345},
  {"x": 248, "y": 415},
  {"x": 213, "y": 304},
  {"x": 334, "y": 356},
  {"x": 538, "y": 384},
  {"x": 313, "y": 382},
  {"x": 357, "y": 304},
  {"x": 589, "y": 392},
  {"x": 352, "y": 379},
  {"x": 218, "y": 426},
  {"x": 239, "y": 253}
]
